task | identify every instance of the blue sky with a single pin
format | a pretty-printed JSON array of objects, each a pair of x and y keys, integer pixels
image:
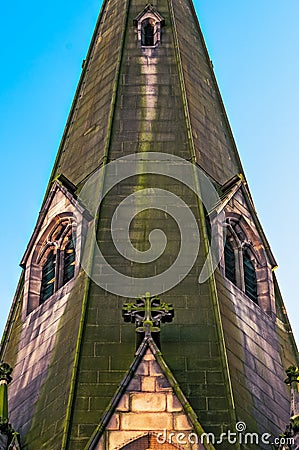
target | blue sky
[{"x": 254, "y": 46}]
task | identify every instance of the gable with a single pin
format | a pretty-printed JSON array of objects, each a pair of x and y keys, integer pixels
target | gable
[
  {"x": 148, "y": 413},
  {"x": 61, "y": 220}
]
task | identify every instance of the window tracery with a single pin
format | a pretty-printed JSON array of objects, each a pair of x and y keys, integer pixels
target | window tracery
[
  {"x": 56, "y": 258},
  {"x": 241, "y": 262},
  {"x": 53, "y": 262}
]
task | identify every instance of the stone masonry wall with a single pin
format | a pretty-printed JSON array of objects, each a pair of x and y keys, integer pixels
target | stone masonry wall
[{"x": 149, "y": 405}]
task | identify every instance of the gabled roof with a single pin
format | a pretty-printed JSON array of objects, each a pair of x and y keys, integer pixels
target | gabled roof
[
  {"x": 61, "y": 183},
  {"x": 149, "y": 9},
  {"x": 228, "y": 191},
  {"x": 147, "y": 344}
]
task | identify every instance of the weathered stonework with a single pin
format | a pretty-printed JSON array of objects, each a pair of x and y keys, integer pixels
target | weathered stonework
[
  {"x": 70, "y": 354},
  {"x": 60, "y": 207},
  {"x": 149, "y": 409}
]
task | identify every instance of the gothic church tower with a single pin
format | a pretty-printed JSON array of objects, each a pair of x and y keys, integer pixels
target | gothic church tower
[{"x": 210, "y": 345}]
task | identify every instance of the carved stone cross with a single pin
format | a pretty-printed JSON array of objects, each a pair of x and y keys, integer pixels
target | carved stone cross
[{"x": 148, "y": 313}]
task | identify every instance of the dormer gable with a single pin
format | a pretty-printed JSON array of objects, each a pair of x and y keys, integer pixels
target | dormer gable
[
  {"x": 247, "y": 261},
  {"x": 149, "y": 23},
  {"x": 51, "y": 260}
]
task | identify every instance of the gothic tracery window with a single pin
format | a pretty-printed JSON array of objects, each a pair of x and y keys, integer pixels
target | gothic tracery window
[
  {"x": 240, "y": 261},
  {"x": 58, "y": 261},
  {"x": 51, "y": 260}
]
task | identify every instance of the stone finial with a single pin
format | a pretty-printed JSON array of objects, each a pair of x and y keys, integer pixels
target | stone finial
[
  {"x": 148, "y": 313},
  {"x": 5, "y": 373},
  {"x": 10, "y": 436},
  {"x": 293, "y": 375},
  {"x": 292, "y": 430}
]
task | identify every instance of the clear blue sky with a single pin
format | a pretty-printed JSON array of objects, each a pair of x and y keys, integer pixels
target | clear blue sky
[{"x": 254, "y": 45}]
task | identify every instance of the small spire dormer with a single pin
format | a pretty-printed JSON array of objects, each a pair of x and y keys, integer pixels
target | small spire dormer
[{"x": 149, "y": 23}]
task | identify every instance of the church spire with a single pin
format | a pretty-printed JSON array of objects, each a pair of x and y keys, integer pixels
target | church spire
[{"x": 147, "y": 180}]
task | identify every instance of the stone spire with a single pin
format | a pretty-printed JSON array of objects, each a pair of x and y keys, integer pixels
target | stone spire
[{"x": 147, "y": 95}]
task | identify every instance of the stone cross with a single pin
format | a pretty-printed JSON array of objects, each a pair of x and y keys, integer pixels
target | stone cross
[{"x": 148, "y": 313}]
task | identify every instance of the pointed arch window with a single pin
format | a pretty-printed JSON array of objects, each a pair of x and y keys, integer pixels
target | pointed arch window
[
  {"x": 240, "y": 260},
  {"x": 51, "y": 260},
  {"x": 149, "y": 24},
  {"x": 58, "y": 259}
]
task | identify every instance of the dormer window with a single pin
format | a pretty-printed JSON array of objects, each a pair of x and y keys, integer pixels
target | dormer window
[
  {"x": 242, "y": 264},
  {"x": 51, "y": 260},
  {"x": 149, "y": 23}
]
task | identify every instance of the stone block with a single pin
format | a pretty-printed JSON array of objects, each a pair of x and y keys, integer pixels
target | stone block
[
  {"x": 148, "y": 402},
  {"x": 162, "y": 383},
  {"x": 135, "y": 384},
  {"x": 217, "y": 403},
  {"x": 123, "y": 404},
  {"x": 173, "y": 404},
  {"x": 143, "y": 368},
  {"x": 148, "y": 384},
  {"x": 149, "y": 356},
  {"x": 146, "y": 421},
  {"x": 181, "y": 422},
  {"x": 114, "y": 423},
  {"x": 154, "y": 368}
]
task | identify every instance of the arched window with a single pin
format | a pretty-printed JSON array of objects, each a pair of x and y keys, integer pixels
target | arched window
[
  {"x": 69, "y": 260},
  {"x": 48, "y": 277},
  {"x": 59, "y": 266},
  {"x": 230, "y": 262},
  {"x": 250, "y": 280},
  {"x": 51, "y": 260},
  {"x": 241, "y": 261},
  {"x": 147, "y": 33}
]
